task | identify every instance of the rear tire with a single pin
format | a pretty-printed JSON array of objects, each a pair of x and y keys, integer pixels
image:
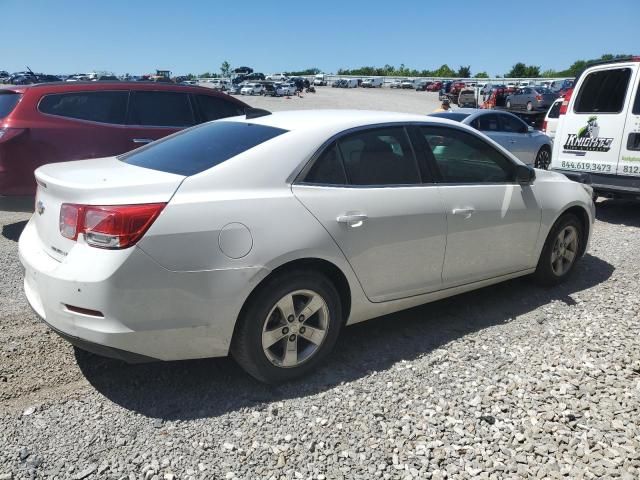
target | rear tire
[
  {"x": 561, "y": 251},
  {"x": 265, "y": 320},
  {"x": 543, "y": 158}
]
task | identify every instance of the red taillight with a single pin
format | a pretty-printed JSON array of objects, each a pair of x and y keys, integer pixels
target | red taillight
[
  {"x": 565, "y": 101},
  {"x": 544, "y": 126},
  {"x": 113, "y": 227},
  {"x": 539, "y": 98},
  {"x": 7, "y": 133}
]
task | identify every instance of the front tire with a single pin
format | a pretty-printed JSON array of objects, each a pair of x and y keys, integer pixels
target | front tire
[
  {"x": 561, "y": 251},
  {"x": 288, "y": 327},
  {"x": 543, "y": 158}
]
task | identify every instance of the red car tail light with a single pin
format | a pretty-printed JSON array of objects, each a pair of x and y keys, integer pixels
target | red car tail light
[
  {"x": 544, "y": 126},
  {"x": 565, "y": 101},
  {"x": 539, "y": 98},
  {"x": 111, "y": 227},
  {"x": 7, "y": 133}
]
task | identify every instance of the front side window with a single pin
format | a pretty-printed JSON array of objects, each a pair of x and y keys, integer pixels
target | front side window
[
  {"x": 382, "y": 156},
  {"x": 603, "y": 91},
  {"x": 200, "y": 148},
  {"x": 554, "y": 111},
  {"x": 160, "y": 109},
  {"x": 463, "y": 158},
  {"x": 104, "y": 107},
  {"x": 213, "y": 108}
]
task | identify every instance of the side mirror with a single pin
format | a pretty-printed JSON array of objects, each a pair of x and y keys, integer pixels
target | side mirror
[{"x": 525, "y": 175}]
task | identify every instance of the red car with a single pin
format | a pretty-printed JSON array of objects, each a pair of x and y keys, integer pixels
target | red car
[
  {"x": 456, "y": 87},
  {"x": 434, "y": 87},
  {"x": 57, "y": 122}
]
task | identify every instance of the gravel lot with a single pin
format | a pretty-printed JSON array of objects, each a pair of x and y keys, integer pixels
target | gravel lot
[{"x": 512, "y": 381}]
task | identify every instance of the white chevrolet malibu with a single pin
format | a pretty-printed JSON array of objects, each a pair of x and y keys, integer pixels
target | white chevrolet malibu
[{"x": 262, "y": 236}]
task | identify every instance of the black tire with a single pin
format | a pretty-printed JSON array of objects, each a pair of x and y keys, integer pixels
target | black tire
[
  {"x": 545, "y": 274},
  {"x": 246, "y": 346},
  {"x": 543, "y": 158}
]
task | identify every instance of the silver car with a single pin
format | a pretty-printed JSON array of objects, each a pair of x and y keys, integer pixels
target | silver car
[
  {"x": 531, "y": 98},
  {"x": 264, "y": 235},
  {"x": 532, "y": 147}
]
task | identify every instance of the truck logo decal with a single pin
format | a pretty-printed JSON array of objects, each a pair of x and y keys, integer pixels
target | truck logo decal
[{"x": 587, "y": 138}]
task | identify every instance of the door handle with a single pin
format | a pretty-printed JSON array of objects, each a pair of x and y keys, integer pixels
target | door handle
[
  {"x": 352, "y": 219},
  {"x": 467, "y": 212},
  {"x": 142, "y": 140}
]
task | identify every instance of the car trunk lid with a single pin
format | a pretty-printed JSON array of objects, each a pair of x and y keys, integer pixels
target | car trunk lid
[{"x": 105, "y": 181}]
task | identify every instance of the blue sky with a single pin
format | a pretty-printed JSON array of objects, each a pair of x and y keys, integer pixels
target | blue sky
[{"x": 138, "y": 36}]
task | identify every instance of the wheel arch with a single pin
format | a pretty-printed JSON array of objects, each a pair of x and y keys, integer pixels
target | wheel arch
[
  {"x": 325, "y": 267},
  {"x": 581, "y": 213}
]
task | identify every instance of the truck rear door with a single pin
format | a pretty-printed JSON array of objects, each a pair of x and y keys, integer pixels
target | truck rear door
[{"x": 589, "y": 136}]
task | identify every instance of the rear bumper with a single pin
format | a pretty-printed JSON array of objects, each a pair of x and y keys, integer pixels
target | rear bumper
[{"x": 147, "y": 311}]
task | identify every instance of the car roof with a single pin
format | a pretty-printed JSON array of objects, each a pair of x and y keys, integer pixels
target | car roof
[
  {"x": 338, "y": 120},
  {"x": 58, "y": 87}
]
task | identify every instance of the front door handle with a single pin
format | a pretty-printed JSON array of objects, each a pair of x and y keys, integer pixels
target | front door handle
[
  {"x": 352, "y": 219},
  {"x": 142, "y": 140},
  {"x": 466, "y": 212}
]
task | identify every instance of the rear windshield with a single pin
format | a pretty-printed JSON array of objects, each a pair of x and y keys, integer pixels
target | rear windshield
[
  {"x": 458, "y": 117},
  {"x": 8, "y": 100},
  {"x": 200, "y": 148}
]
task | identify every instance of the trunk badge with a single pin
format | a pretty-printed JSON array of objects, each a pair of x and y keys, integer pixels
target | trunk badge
[{"x": 40, "y": 207}]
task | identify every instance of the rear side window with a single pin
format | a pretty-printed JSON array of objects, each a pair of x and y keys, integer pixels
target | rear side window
[
  {"x": 379, "y": 157},
  {"x": 512, "y": 125},
  {"x": 213, "y": 108},
  {"x": 603, "y": 91},
  {"x": 160, "y": 109},
  {"x": 487, "y": 123},
  {"x": 8, "y": 101},
  {"x": 554, "y": 111},
  {"x": 103, "y": 107},
  {"x": 200, "y": 148}
]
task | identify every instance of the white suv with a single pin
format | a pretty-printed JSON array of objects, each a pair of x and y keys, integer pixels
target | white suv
[
  {"x": 599, "y": 128},
  {"x": 252, "y": 89}
]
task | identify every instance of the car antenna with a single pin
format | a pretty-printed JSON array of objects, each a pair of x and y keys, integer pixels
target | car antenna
[{"x": 255, "y": 113}]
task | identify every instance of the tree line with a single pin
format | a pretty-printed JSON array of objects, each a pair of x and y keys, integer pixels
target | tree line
[{"x": 519, "y": 70}]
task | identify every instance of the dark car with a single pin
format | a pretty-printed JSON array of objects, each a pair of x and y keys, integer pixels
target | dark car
[
  {"x": 531, "y": 98},
  {"x": 57, "y": 122}
]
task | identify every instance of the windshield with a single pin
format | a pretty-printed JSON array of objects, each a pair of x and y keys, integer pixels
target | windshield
[
  {"x": 8, "y": 100},
  {"x": 200, "y": 148}
]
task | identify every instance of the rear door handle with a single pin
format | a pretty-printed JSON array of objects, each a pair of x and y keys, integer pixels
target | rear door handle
[
  {"x": 466, "y": 212},
  {"x": 352, "y": 219},
  {"x": 142, "y": 140}
]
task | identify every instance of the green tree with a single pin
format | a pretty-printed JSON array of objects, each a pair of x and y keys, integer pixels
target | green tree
[
  {"x": 225, "y": 69},
  {"x": 481, "y": 75},
  {"x": 444, "y": 71},
  {"x": 464, "y": 72},
  {"x": 520, "y": 70}
]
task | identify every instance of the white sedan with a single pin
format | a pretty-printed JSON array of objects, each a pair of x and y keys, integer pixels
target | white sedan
[
  {"x": 262, "y": 236},
  {"x": 252, "y": 89}
]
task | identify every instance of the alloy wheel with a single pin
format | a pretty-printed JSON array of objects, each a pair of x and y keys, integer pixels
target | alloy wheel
[
  {"x": 295, "y": 328},
  {"x": 543, "y": 159},
  {"x": 564, "y": 251}
]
